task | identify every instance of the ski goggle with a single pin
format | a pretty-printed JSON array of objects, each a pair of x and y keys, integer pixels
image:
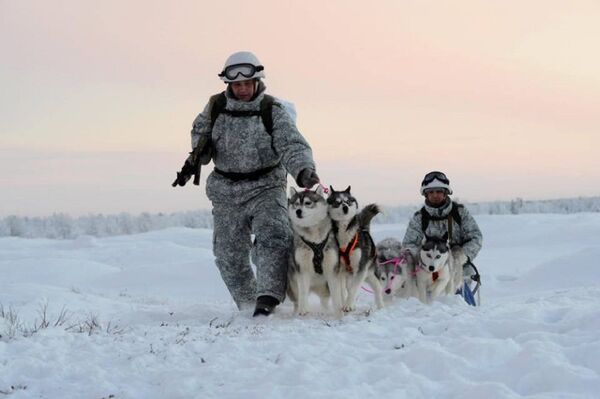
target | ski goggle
[
  {"x": 431, "y": 176},
  {"x": 246, "y": 70}
]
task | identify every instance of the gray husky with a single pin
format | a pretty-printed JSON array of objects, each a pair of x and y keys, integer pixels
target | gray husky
[
  {"x": 396, "y": 269},
  {"x": 358, "y": 259},
  {"x": 314, "y": 261}
]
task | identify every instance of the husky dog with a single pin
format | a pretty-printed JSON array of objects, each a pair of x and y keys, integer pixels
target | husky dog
[
  {"x": 459, "y": 258},
  {"x": 358, "y": 260},
  {"x": 396, "y": 269},
  {"x": 435, "y": 272},
  {"x": 314, "y": 261}
]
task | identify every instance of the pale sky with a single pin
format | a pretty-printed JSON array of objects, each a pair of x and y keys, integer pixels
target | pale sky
[{"x": 98, "y": 98}]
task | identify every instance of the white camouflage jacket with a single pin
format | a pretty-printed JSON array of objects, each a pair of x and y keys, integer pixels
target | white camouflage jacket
[
  {"x": 243, "y": 145},
  {"x": 467, "y": 234}
]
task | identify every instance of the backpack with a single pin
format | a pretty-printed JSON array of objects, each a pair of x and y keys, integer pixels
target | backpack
[
  {"x": 219, "y": 101},
  {"x": 454, "y": 214}
]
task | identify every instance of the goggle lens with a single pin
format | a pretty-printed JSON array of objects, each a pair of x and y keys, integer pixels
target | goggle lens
[
  {"x": 431, "y": 176},
  {"x": 246, "y": 70}
]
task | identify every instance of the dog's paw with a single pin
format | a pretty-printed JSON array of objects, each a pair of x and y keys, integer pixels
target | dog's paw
[{"x": 348, "y": 308}]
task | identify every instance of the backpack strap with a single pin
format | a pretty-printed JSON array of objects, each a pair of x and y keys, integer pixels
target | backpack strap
[
  {"x": 217, "y": 105},
  {"x": 425, "y": 217},
  {"x": 266, "y": 112},
  {"x": 454, "y": 214}
]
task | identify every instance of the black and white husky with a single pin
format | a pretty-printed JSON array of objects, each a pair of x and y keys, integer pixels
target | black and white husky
[
  {"x": 314, "y": 261},
  {"x": 358, "y": 260},
  {"x": 439, "y": 271},
  {"x": 396, "y": 269}
]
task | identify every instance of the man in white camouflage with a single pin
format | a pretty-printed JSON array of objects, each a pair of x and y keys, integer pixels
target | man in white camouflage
[
  {"x": 247, "y": 187},
  {"x": 437, "y": 215}
]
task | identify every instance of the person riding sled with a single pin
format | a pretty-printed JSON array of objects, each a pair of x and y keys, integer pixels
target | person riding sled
[
  {"x": 253, "y": 143},
  {"x": 440, "y": 215}
]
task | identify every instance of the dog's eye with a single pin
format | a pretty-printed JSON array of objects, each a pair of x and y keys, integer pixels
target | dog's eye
[
  {"x": 391, "y": 278},
  {"x": 308, "y": 203},
  {"x": 429, "y": 255},
  {"x": 382, "y": 278},
  {"x": 438, "y": 256}
]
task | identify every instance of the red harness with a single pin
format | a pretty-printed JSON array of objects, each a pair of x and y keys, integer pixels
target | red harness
[{"x": 347, "y": 251}]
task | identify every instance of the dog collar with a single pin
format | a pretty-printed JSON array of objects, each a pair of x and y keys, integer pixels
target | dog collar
[{"x": 434, "y": 275}]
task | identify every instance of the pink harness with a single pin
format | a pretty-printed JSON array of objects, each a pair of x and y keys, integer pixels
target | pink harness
[
  {"x": 397, "y": 261},
  {"x": 325, "y": 189}
]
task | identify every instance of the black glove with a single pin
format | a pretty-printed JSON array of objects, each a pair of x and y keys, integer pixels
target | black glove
[{"x": 307, "y": 178}]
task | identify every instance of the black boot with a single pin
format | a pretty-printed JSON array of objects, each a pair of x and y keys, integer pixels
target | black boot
[{"x": 265, "y": 305}]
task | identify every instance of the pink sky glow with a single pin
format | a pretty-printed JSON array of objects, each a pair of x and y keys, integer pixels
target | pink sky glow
[{"x": 98, "y": 97}]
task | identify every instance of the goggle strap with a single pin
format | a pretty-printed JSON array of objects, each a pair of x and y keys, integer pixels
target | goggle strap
[{"x": 252, "y": 70}]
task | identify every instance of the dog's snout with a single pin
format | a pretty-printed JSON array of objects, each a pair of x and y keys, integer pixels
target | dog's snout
[
  {"x": 431, "y": 268},
  {"x": 388, "y": 291},
  {"x": 345, "y": 209},
  {"x": 299, "y": 213}
]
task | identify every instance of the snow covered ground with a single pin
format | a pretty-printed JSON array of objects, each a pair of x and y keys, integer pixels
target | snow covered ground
[{"x": 148, "y": 317}]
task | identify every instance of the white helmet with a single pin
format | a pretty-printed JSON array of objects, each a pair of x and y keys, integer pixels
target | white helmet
[
  {"x": 242, "y": 65},
  {"x": 435, "y": 180}
]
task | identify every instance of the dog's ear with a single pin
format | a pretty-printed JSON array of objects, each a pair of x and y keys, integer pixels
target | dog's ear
[
  {"x": 445, "y": 237},
  {"x": 292, "y": 191},
  {"x": 331, "y": 190},
  {"x": 424, "y": 240},
  {"x": 319, "y": 190},
  {"x": 347, "y": 190}
]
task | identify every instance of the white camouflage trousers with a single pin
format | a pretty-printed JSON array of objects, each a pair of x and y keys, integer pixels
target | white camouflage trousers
[{"x": 266, "y": 217}]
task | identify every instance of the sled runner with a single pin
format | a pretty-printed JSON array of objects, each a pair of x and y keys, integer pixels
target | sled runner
[{"x": 466, "y": 292}]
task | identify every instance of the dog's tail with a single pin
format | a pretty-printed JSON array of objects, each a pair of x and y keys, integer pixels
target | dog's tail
[{"x": 366, "y": 215}]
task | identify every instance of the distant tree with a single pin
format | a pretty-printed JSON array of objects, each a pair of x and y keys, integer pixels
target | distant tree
[{"x": 516, "y": 205}]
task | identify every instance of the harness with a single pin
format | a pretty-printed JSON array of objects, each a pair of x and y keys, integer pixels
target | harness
[
  {"x": 318, "y": 255},
  {"x": 347, "y": 251},
  {"x": 218, "y": 103},
  {"x": 397, "y": 261}
]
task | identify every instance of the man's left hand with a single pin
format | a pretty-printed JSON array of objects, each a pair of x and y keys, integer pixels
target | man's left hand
[{"x": 307, "y": 178}]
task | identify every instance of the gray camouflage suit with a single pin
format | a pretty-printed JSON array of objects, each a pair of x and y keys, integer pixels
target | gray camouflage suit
[
  {"x": 252, "y": 206},
  {"x": 467, "y": 235}
]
